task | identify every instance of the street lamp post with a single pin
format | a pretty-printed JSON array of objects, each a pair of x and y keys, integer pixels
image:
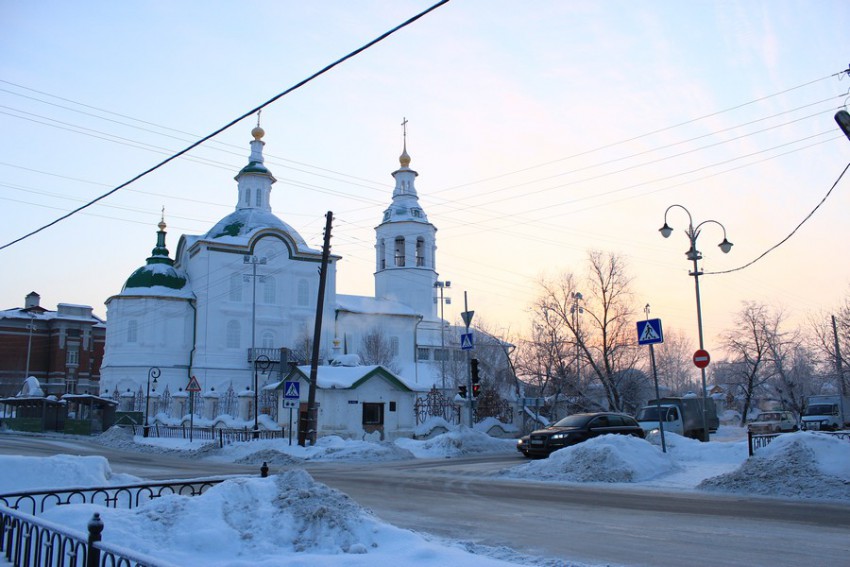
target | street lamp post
[
  {"x": 694, "y": 256},
  {"x": 31, "y": 327},
  {"x": 441, "y": 285},
  {"x": 254, "y": 261},
  {"x": 154, "y": 373},
  {"x": 263, "y": 362}
]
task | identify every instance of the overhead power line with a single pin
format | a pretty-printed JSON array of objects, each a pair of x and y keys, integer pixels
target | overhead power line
[
  {"x": 784, "y": 240},
  {"x": 232, "y": 122}
]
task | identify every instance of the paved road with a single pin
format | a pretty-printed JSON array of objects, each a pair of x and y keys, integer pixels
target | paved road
[{"x": 454, "y": 498}]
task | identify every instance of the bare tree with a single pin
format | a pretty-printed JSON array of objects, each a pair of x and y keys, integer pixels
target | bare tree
[
  {"x": 376, "y": 348},
  {"x": 603, "y": 333},
  {"x": 831, "y": 341},
  {"x": 747, "y": 344},
  {"x": 673, "y": 360}
]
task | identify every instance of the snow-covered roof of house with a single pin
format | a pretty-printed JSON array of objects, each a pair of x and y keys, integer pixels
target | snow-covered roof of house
[
  {"x": 347, "y": 377},
  {"x": 371, "y": 305},
  {"x": 46, "y": 315}
]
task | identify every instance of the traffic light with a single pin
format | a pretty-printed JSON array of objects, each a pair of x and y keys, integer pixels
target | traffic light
[
  {"x": 476, "y": 379},
  {"x": 843, "y": 119},
  {"x": 461, "y": 391}
]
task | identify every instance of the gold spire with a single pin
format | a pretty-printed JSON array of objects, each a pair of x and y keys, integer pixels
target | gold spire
[
  {"x": 258, "y": 132},
  {"x": 161, "y": 224},
  {"x": 404, "y": 159}
]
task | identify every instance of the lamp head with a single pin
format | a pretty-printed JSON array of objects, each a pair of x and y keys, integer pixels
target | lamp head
[
  {"x": 665, "y": 230},
  {"x": 725, "y": 246}
]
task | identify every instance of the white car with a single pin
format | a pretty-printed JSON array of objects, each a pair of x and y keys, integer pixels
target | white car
[{"x": 774, "y": 422}]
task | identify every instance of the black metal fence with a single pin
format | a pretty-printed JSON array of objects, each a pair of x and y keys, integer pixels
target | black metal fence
[
  {"x": 224, "y": 436},
  {"x": 28, "y": 541},
  {"x": 119, "y": 496},
  {"x": 760, "y": 440}
]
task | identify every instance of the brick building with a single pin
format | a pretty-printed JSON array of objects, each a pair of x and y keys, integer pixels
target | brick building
[{"x": 62, "y": 348}]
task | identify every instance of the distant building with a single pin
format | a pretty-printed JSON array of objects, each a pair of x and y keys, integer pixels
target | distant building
[
  {"x": 240, "y": 301},
  {"x": 63, "y": 349}
]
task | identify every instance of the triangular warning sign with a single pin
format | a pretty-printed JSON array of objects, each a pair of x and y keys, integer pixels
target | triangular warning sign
[
  {"x": 292, "y": 390},
  {"x": 193, "y": 386},
  {"x": 649, "y": 334}
]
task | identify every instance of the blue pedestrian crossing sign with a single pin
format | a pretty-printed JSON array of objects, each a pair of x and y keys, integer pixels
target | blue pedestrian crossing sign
[
  {"x": 466, "y": 341},
  {"x": 292, "y": 390},
  {"x": 649, "y": 332}
]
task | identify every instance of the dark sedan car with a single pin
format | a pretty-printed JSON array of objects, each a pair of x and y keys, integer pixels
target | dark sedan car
[{"x": 575, "y": 429}]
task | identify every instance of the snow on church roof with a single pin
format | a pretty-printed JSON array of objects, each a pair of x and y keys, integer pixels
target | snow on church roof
[
  {"x": 371, "y": 305},
  {"x": 238, "y": 226}
]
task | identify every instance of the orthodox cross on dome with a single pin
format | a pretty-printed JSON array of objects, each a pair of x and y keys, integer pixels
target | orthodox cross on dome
[
  {"x": 162, "y": 219},
  {"x": 404, "y": 159}
]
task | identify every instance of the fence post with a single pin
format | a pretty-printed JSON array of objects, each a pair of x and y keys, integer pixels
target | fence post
[
  {"x": 264, "y": 470},
  {"x": 95, "y": 527},
  {"x": 750, "y": 441}
]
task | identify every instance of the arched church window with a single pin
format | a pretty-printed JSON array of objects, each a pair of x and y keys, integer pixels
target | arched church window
[
  {"x": 132, "y": 331},
  {"x": 399, "y": 251},
  {"x": 268, "y": 339},
  {"x": 269, "y": 290},
  {"x": 394, "y": 346},
  {"x": 420, "y": 251},
  {"x": 259, "y": 198},
  {"x": 248, "y": 197},
  {"x": 382, "y": 255},
  {"x": 235, "y": 287},
  {"x": 303, "y": 293},
  {"x": 234, "y": 332}
]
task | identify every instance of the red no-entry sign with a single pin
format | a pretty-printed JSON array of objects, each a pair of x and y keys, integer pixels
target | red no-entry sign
[{"x": 701, "y": 358}]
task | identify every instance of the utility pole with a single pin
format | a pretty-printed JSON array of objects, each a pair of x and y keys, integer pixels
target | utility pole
[
  {"x": 312, "y": 410},
  {"x": 254, "y": 260},
  {"x": 838, "y": 367}
]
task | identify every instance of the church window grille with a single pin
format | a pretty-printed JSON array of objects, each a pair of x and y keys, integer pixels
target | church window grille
[
  {"x": 420, "y": 252},
  {"x": 416, "y": 212},
  {"x": 394, "y": 346},
  {"x": 423, "y": 353},
  {"x": 303, "y": 293},
  {"x": 234, "y": 332},
  {"x": 133, "y": 331},
  {"x": 247, "y": 196},
  {"x": 399, "y": 252},
  {"x": 269, "y": 290},
  {"x": 259, "y": 199},
  {"x": 235, "y": 287}
]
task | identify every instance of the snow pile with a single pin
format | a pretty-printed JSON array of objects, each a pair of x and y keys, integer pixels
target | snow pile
[
  {"x": 457, "y": 443},
  {"x": 61, "y": 471},
  {"x": 283, "y": 520},
  {"x": 795, "y": 465},
  {"x": 609, "y": 458}
]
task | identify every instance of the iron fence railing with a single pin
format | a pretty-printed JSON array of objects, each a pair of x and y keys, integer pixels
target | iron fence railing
[
  {"x": 29, "y": 541},
  {"x": 224, "y": 436},
  {"x": 760, "y": 440}
]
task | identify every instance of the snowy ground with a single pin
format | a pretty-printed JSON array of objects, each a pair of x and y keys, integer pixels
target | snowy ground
[{"x": 307, "y": 523}]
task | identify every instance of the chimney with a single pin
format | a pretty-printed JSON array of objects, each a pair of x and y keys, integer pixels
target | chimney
[{"x": 32, "y": 300}]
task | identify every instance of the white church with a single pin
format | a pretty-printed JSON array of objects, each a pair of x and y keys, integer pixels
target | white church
[{"x": 233, "y": 316}]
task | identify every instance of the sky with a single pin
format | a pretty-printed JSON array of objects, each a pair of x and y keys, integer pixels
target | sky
[
  {"x": 325, "y": 528},
  {"x": 539, "y": 134}
]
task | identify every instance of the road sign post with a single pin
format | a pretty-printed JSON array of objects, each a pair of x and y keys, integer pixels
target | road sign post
[{"x": 650, "y": 333}]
